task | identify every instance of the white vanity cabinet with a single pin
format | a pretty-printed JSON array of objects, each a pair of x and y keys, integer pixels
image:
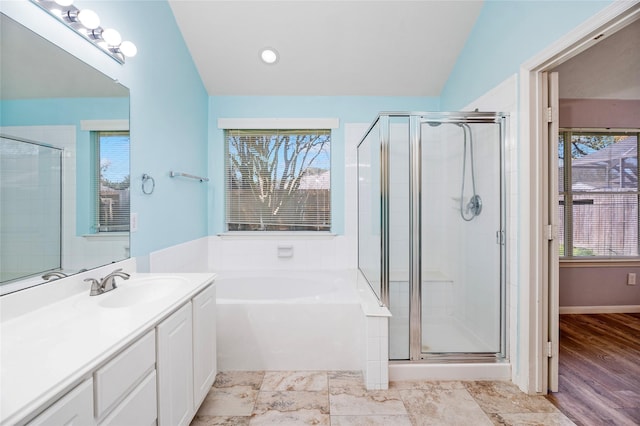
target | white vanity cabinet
[
  {"x": 204, "y": 344},
  {"x": 73, "y": 409},
  {"x": 153, "y": 366},
  {"x": 175, "y": 368},
  {"x": 126, "y": 380}
]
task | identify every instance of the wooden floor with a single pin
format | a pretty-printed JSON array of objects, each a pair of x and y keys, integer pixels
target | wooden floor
[{"x": 599, "y": 380}]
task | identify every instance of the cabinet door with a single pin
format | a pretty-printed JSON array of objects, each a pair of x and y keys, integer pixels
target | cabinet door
[
  {"x": 204, "y": 344},
  {"x": 175, "y": 368},
  {"x": 116, "y": 379},
  {"x": 138, "y": 408},
  {"x": 73, "y": 409}
]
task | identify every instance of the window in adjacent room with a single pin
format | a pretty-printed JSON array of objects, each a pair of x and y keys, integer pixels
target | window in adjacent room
[
  {"x": 598, "y": 194},
  {"x": 111, "y": 181},
  {"x": 278, "y": 180}
]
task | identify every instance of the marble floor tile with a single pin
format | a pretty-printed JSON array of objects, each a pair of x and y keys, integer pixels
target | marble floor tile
[
  {"x": 291, "y": 418},
  {"x": 531, "y": 419},
  {"x": 226, "y": 379},
  {"x": 339, "y": 398},
  {"x": 284, "y": 401},
  {"x": 230, "y": 401},
  {"x": 220, "y": 421},
  {"x": 443, "y": 407},
  {"x": 363, "y": 402},
  {"x": 505, "y": 397},
  {"x": 294, "y": 381},
  {"x": 370, "y": 421},
  {"x": 345, "y": 381}
]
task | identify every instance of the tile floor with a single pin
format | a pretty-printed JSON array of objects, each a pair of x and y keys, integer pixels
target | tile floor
[{"x": 340, "y": 399}]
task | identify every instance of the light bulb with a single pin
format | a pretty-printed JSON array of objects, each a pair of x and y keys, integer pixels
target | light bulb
[
  {"x": 269, "y": 56},
  {"x": 128, "y": 49},
  {"x": 112, "y": 37},
  {"x": 64, "y": 3},
  {"x": 89, "y": 19}
]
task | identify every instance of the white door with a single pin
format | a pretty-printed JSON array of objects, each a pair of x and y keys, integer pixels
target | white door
[{"x": 550, "y": 141}]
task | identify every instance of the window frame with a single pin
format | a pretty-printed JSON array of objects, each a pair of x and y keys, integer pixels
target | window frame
[
  {"x": 567, "y": 193},
  {"x": 96, "y": 176},
  {"x": 271, "y": 130}
]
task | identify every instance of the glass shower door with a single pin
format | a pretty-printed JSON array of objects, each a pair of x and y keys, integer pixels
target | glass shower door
[
  {"x": 462, "y": 234},
  {"x": 30, "y": 208}
]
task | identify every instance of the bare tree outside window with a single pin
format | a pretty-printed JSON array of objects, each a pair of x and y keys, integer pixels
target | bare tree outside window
[{"x": 278, "y": 180}]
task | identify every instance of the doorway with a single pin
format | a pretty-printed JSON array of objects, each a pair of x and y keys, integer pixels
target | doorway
[{"x": 544, "y": 305}]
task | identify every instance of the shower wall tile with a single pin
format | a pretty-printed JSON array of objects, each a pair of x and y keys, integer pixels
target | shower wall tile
[
  {"x": 504, "y": 97},
  {"x": 377, "y": 353}
]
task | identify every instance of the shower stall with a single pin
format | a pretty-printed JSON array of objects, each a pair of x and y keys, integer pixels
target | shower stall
[
  {"x": 30, "y": 208},
  {"x": 431, "y": 232}
]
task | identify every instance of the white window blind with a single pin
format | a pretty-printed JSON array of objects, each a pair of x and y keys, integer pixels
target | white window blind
[
  {"x": 598, "y": 194},
  {"x": 111, "y": 181},
  {"x": 278, "y": 180}
]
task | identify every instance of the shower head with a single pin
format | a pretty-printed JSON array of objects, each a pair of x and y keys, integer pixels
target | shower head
[{"x": 434, "y": 123}]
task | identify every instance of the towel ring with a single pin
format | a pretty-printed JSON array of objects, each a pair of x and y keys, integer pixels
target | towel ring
[{"x": 147, "y": 178}]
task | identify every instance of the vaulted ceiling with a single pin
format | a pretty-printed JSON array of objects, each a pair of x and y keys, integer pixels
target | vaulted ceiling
[{"x": 328, "y": 47}]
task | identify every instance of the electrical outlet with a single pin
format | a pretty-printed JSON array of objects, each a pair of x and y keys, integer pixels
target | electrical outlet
[{"x": 631, "y": 278}]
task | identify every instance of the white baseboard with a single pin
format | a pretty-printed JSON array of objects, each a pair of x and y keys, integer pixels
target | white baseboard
[{"x": 613, "y": 309}]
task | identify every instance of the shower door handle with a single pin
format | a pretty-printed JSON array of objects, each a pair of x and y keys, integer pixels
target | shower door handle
[{"x": 500, "y": 239}]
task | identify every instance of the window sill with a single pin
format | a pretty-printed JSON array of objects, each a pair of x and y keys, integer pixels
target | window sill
[
  {"x": 107, "y": 235},
  {"x": 276, "y": 235},
  {"x": 600, "y": 263}
]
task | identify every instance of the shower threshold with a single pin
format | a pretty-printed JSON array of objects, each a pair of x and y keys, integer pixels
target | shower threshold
[{"x": 499, "y": 369}]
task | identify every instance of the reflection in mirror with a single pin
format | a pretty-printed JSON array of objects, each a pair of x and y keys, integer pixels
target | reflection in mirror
[{"x": 64, "y": 162}]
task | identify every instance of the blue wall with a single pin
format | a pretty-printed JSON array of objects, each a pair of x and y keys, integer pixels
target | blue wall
[
  {"x": 53, "y": 112},
  {"x": 173, "y": 120},
  {"x": 168, "y": 112},
  {"x": 168, "y": 125},
  {"x": 349, "y": 109},
  {"x": 507, "y": 34}
]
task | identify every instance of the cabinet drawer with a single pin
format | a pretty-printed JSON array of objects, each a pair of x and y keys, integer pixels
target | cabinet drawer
[
  {"x": 139, "y": 407},
  {"x": 124, "y": 372},
  {"x": 73, "y": 409}
]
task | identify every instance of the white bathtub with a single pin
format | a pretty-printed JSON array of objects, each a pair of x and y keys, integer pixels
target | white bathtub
[{"x": 289, "y": 320}]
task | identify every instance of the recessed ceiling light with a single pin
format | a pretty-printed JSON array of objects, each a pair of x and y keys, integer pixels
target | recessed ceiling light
[{"x": 269, "y": 55}]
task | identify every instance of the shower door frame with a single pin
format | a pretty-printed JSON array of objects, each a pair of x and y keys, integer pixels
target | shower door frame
[{"x": 415, "y": 224}]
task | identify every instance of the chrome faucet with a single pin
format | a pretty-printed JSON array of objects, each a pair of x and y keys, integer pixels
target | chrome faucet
[
  {"x": 53, "y": 275},
  {"x": 107, "y": 283}
]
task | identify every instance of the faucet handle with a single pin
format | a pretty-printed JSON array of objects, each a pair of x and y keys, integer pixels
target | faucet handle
[{"x": 96, "y": 289}]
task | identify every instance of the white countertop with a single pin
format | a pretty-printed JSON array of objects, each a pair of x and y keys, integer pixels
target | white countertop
[{"x": 48, "y": 351}]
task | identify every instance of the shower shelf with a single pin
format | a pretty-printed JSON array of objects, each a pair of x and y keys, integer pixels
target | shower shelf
[
  {"x": 428, "y": 276},
  {"x": 433, "y": 276}
]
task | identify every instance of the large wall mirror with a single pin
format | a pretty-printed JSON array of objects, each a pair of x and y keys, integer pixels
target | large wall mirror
[{"x": 64, "y": 162}]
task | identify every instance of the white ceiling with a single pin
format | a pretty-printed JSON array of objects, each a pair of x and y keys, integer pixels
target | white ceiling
[{"x": 329, "y": 47}]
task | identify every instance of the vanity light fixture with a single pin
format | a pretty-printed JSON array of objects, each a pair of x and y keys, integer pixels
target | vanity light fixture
[
  {"x": 89, "y": 19},
  {"x": 87, "y": 23},
  {"x": 269, "y": 55}
]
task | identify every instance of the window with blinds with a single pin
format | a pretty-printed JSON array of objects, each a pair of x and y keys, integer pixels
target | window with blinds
[
  {"x": 111, "y": 181},
  {"x": 278, "y": 180},
  {"x": 598, "y": 194}
]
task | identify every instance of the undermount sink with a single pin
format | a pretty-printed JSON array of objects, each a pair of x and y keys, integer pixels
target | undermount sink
[{"x": 136, "y": 291}]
